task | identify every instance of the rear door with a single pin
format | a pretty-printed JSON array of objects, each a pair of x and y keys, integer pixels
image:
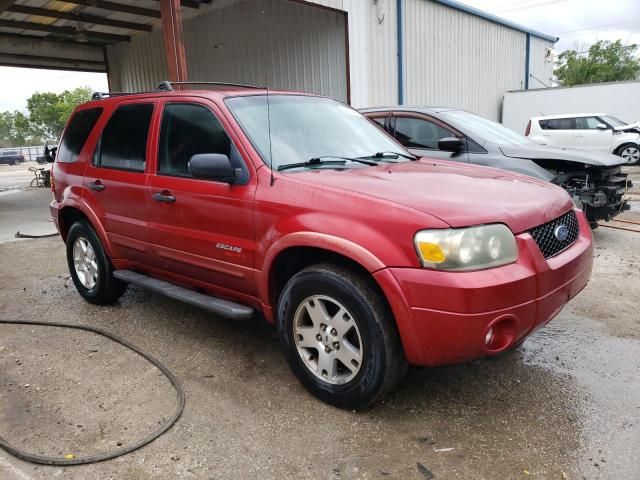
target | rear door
[
  {"x": 588, "y": 136},
  {"x": 201, "y": 229},
  {"x": 558, "y": 132},
  {"x": 114, "y": 181}
]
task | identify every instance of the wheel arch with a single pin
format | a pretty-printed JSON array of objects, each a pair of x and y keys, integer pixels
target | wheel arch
[{"x": 70, "y": 214}]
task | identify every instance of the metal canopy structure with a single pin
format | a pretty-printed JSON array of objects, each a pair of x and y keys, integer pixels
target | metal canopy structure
[{"x": 72, "y": 34}]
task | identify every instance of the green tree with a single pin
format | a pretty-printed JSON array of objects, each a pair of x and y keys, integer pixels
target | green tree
[
  {"x": 16, "y": 130},
  {"x": 48, "y": 112},
  {"x": 605, "y": 61}
]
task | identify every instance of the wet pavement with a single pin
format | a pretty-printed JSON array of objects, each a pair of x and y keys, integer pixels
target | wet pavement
[{"x": 564, "y": 405}]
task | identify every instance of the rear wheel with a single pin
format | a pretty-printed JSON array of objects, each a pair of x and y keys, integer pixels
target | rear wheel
[
  {"x": 90, "y": 268},
  {"x": 339, "y": 336},
  {"x": 629, "y": 152}
]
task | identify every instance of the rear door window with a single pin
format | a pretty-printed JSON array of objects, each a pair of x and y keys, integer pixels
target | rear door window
[
  {"x": 419, "y": 133},
  {"x": 558, "y": 124},
  {"x": 188, "y": 130},
  {"x": 123, "y": 144},
  {"x": 75, "y": 136}
]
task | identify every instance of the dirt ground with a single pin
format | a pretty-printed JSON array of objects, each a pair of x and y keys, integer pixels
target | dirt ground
[{"x": 565, "y": 405}]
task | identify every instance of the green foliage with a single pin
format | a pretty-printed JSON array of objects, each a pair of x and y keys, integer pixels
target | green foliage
[
  {"x": 48, "y": 113},
  {"x": 605, "y": 61}
]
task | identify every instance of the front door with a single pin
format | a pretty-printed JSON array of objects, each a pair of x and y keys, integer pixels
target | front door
[
  {"x": 420, "y": 135},
  {"x": 588, "y": 136},
  {"x": 114, "y": 181},
  {"x": 201, "y": 229}
]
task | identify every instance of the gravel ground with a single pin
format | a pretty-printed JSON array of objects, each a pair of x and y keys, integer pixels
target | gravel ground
[{"x": 565, "y": 405}]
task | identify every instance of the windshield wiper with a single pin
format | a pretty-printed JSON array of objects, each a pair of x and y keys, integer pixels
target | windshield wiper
[
  {"x": 321, "y": 161},
  {"x": 383, "y": 155}
]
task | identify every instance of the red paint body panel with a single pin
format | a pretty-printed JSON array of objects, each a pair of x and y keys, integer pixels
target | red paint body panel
[{"x": 369, "y": 215}]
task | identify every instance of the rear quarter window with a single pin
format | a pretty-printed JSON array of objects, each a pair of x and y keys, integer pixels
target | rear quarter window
[{"x": 75, "y": 136}]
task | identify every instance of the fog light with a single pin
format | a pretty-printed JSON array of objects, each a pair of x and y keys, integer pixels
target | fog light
[{"x": 488, "y": 337}]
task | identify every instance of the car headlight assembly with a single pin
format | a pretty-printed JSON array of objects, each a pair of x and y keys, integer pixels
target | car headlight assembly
[{"x": 466, "y": 249}]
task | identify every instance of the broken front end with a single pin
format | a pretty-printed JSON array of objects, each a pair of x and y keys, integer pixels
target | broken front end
[{"x": 598, "y": 190}]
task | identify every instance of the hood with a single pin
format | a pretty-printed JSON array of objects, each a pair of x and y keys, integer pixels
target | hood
[
  {"x": 632, "y": 127},
  {"x": 544, "y": 152},
  {"x": 460, "y": 195}
]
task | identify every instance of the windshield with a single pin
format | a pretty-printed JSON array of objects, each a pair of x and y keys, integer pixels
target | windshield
[
  {"x": 479, "y": 128},
  {"x": 304, "y": 128},
  {"x": 613, "y": 121}
]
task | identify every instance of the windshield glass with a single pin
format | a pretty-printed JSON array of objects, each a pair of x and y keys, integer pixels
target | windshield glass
[
  {"x": 479, "y": 128},
  {"x": 304, "y": 127},
  {"x": 614, "y": 122}
]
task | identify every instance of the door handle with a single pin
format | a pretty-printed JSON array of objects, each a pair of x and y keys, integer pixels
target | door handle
[
  {"x": 164, "y": 196},
  {"x": 96, "y": 186}
]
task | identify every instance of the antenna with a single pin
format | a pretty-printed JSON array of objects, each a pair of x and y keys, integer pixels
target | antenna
[{"x": 266, "y": 83}]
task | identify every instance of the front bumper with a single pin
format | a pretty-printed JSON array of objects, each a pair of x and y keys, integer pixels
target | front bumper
[{"x": 444, "y": 317}]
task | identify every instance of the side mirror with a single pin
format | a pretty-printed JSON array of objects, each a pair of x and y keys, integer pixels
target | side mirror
[
  {"x": 601, "y": 126},
  {"x": 212, "y": 166},
  {"x": 450, "y": 144}
]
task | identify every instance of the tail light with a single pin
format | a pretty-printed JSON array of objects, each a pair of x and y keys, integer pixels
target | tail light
[
  {"x": 53, "y": 187},
  {"x": 527, "y": 131}
]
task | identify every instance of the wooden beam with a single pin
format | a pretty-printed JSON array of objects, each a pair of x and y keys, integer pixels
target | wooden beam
[
  {"x": 5, "y": 4},
  {"x": 68, "y": 31},
  {"x": 79, "y": 17},
  {"x": 116, "y": 7},
  {"x": 53, "y": 48},
  {"x": 173, "y": 41}
]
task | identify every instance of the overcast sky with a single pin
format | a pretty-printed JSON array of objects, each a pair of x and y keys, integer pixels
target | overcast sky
[
  {"x": 18, "y": 84},
  {"x": 578, "y": 23}
]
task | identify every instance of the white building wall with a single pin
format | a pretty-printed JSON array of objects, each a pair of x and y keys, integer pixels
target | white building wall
[
  {"x": 541, "y": 64},
  {"x": 459, "y": 60}
]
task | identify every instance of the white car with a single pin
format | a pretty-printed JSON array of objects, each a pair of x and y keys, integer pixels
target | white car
[{"x": 589, "y": 131}]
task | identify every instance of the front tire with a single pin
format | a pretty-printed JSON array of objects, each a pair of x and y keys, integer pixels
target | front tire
[
  {"x": 339, "y": 336},
  {"x": 630, "y": 153},
  {"x": 90, "y": 268}
]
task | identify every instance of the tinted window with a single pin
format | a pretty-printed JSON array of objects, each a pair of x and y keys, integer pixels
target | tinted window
[
  {"x": 587, "y": 123},
  {"x": 76, "y": 134},
  {"x": 123, "y": 143},
  {"x": 557, "y": 124},
  {"x": 416, "y": 133},
  {"x": 188, "y": 130}
]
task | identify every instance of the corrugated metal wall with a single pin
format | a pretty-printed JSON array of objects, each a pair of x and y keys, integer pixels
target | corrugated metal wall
[
  {"x": 290, "y": 45},
  {"x": 459, "y": 60},
  {"x": 540, "y": 68}
]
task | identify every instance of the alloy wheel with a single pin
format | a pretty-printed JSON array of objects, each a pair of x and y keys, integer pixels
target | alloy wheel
[
  {"x": 85, "y": 263},
  {"x": 327, "y": 339},
  {"x": 631, "y": 154}
]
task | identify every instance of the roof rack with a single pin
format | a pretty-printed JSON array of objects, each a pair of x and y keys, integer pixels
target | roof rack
[{"x": 167, "y": 86}]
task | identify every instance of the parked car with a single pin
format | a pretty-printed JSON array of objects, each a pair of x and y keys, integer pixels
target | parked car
[
  {"x": 593, "y": 179},
  {"x": 297, "y": 207},
  {"x": 11, "y": 157},
  {"x": 588, "y": 131}
]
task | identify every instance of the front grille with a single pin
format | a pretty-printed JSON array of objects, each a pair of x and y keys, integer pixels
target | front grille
[{"x": 546, "y": 238}]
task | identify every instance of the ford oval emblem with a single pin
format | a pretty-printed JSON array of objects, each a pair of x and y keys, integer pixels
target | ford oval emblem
[{"x": 561, "y": 233}]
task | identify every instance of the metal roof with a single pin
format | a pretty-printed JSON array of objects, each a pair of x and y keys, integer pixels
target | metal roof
[
  {"x": 495, "y": 19},
  {"x": 43, "y": 26}
]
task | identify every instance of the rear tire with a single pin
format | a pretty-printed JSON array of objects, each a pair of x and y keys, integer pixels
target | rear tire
[
  {"x": 357, "y": 357},
  {"x": 630, "y": 152},
  {"x": 90, "y": 267}
]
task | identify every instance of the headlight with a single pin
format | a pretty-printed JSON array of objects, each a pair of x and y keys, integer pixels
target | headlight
[{"x": 473, "y": 248}]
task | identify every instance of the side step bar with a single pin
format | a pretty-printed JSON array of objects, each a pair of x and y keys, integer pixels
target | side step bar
[{"x": 224, "y": 308}]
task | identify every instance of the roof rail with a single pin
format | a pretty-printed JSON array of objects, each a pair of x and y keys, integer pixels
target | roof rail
[
  {"x": 167, "y": 86},
  {"x": 101, "y": 95}
]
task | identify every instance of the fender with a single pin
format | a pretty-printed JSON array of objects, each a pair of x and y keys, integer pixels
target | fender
[
  {"x": 73, "y": 201},
  {"x": 347, "y": 248}
]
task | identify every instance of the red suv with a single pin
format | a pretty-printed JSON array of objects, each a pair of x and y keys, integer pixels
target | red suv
[{"x": 295, "y": 206}]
